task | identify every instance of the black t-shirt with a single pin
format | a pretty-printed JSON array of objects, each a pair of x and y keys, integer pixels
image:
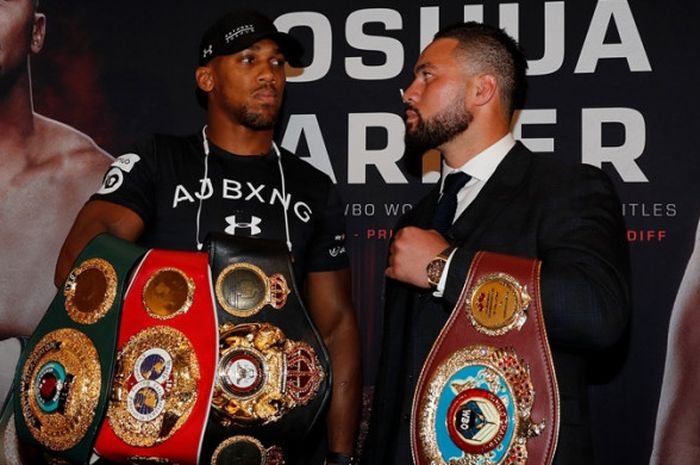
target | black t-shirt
[{"x": 161, "y": 180}]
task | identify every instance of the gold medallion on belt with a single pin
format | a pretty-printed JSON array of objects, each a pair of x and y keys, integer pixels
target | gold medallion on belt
[
  {"x": 497, "y": 303},
  {"x": 168, "y": 293},
  {"x": 246, "y": 450},
  {"x": 60, "y": 388},
  {"x": 155, "y": 386},
  {"x": 478, "y": 409},
  {"x": 262, "y": 374},
  {"x": 90, "y": 290},
  {"x": 243, "y": 289}
]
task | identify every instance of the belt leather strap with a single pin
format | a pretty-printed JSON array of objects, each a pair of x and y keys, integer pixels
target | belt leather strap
[
  {"x": 274, "y": 371},
  {"x": 64, "y": 375},
  {"x": 166, "y": 361},
  {"x": 488, "y": 387}
]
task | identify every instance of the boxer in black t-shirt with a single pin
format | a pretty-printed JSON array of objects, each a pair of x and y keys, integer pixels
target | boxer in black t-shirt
[{"x": 231, "y": 177}]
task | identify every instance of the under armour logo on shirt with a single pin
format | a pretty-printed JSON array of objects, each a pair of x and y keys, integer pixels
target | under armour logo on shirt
[{"x": 252, "y": 225}]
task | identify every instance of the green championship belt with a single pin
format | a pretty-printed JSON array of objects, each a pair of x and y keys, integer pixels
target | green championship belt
[{"x": 64, "y": 375}]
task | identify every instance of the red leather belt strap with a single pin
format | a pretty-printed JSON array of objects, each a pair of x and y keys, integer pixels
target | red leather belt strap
[
  {"x": 167, "y": 356},
  {"x": 488, "y": 384}
]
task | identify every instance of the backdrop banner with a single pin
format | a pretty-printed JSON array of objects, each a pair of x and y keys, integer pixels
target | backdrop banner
[{"x": 612, "y": 83}]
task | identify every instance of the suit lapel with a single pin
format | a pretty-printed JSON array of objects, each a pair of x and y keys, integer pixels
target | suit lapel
[{"x": 496, "y": 194}]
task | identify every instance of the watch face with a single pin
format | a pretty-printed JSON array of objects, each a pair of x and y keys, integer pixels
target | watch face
[{"x": 434, "y": 270}]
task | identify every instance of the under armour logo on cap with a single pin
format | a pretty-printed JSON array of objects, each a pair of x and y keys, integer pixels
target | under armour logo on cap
[{"x": 239, "y": 30}]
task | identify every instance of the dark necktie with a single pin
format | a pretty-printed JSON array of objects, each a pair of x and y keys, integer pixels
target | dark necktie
[{"x": 447, "y": 206}]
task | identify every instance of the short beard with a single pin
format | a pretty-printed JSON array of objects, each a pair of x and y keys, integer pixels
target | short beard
[
  {"x": 440, "y": 129},
  {"x": 257, "y": 121}
]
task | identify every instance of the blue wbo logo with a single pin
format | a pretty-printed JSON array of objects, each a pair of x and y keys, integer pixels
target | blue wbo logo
[
  {"x": 475, "y": 416},
  {"x": 51, "y": 387}
]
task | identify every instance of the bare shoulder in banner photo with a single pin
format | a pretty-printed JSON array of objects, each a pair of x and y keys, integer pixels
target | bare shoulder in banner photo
[{"x": 47, "y": 172}]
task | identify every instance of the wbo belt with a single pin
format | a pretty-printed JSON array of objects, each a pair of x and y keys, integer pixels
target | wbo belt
[
  {"x": 166, "y": 361},
  {"x": 64, "y": 374},
  {"x": 487, "y": 392},
  {"x": 273, "y": 376}
]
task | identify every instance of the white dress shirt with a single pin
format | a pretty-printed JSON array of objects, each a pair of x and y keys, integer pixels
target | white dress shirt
[{"x": 480, "y": 168}]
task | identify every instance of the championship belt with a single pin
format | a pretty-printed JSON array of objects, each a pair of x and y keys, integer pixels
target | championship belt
[
  {"x": 64, "y": 375},
  {"x": 487, "y": 393},
  {"x": 165, "y": 363},
  {"x": 273, "y": 377}
]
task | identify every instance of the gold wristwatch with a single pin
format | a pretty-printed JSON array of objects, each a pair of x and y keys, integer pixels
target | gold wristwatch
[{"x": 436, "y": 267}]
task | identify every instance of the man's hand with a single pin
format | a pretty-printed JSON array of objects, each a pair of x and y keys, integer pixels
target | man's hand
[{"x": 411, "y": 251}]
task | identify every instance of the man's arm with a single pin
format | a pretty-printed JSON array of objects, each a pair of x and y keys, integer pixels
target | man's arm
[
  {"x": 677, "y": 436},
  {"x": 96, "y": 217},
  {"x": 585, "y": 270},
  {"x": 330, "y": 304}
]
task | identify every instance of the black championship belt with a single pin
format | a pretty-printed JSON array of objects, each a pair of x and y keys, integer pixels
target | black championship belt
[
  {"x": 487, "y": 393},
  {"x": 166, "y": 360},
  {"x": 274, "y": 373},
  {"x": 64, "y": 375}
]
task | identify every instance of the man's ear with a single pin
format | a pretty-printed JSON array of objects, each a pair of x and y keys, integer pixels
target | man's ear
[
  {"x": 485, "y": 88},
  {"x": 204, "y": 78},
  {"x": 38, "y": 32}
]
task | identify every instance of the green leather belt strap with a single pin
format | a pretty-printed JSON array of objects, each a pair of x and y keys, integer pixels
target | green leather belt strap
[{"x": 64, "y": 375}]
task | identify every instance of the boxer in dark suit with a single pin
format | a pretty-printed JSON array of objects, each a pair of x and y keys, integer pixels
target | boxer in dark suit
[{"x": 468, "y": 82}]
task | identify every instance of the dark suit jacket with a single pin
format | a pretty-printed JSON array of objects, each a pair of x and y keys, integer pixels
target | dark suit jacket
[{"x": 533, "y": 206}]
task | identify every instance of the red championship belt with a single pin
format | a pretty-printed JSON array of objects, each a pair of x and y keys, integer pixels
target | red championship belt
[
  {"x": 487, "y": 392},
  {"x": 167, "y": 356}
]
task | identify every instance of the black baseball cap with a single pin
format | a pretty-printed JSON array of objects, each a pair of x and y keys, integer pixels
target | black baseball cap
[{"x": 238, "y": 30}]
